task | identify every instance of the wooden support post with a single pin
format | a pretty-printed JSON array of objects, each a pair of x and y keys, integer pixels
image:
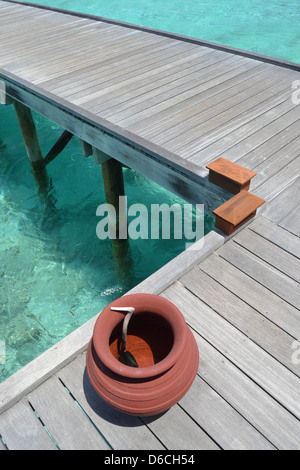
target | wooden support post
[
  {"x": 30, "y": 137},
  {"x": 114, "y": 188}
]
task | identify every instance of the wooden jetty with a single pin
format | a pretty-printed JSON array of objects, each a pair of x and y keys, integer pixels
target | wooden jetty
[{"x": 168, "y": 106}]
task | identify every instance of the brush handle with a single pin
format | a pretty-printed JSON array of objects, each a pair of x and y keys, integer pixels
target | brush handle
[
  {"x": 123, "y": 309},
  {"x": 124, "y": 330}
]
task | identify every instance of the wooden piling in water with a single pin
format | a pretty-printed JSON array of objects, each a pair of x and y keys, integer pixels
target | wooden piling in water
[
  {"x": 30, "y": 137},
  {"x": 112, "y": 172}
]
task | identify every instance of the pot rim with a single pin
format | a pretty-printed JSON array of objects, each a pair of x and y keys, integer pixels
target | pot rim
[{"x": 142, "y": 303}]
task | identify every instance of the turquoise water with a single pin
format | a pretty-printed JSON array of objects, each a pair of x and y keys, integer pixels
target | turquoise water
[
  {"x": 269, "y": 27},
  {"x": 55, "y": 274}
]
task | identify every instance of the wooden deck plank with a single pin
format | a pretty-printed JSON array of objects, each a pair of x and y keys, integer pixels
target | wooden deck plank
[
  {"x": 198, "y": 82},
  {"x": 201, "y": 136},
  {"x": 284, "y": 183},
  {"x": 198, "y": 104},
  {"x": 178, "y": 431},
  {"x": 273, "y": 255},
  {"x": 271, "y": 419},
  {"x": 151, "y": 50},
  {"x": 22, "y": 430},
  {"x": 62, "y": 83},
  {"x": 190, "y": 134},
  {"x": 221, "y": 78},
  {"x": 51, "y": 51},
  {"x": 255, "y": 294},
  {"x": 283, "y": 208},
  {"x": 292, "y": 222},
  {"x": 241, "y": 315},
  {"x": 145, "y": 90},
  {"x": 154, "y": 60},
  {"x": 73, "y": 430},
  {"x": 277, "y": 235},
  {"x": 256, "y": 148},
  {"x": 120, "y": 430},
  {"x": 244, "y": 91},
  {"x": 57, "y": 39},
  {"x": 277, "y": 282},
  {"x": 265, "y": 107},
  {"x": 229, "y": 429},
  {"x": 106, "y": 59},
  {"x": 272, "y": 376},
  {"x": 270, "y": 167},
  {"x": 86, "y": 53},
  {"x": 178, "y": 58}
]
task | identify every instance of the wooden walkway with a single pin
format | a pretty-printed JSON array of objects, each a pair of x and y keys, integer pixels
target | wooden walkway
[
  {"x": 239, "y": 295},
  {"x": 162, "y": 104}
]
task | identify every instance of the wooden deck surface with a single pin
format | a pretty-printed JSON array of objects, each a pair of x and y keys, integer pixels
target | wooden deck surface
[{"x": 241, "y": 301}]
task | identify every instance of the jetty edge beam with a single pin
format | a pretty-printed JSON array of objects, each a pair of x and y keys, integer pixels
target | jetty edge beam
[{"x": 185, "y": 179}]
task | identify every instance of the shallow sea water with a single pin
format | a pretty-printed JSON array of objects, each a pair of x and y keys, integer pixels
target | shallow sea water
[{"x": 55, "y": 274}]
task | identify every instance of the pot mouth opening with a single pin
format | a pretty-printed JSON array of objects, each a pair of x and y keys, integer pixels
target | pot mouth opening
[{"x": 150, "y": 339}]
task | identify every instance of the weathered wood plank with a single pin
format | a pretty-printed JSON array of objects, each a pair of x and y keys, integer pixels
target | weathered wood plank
[
  {"x": 272, "y": 376},
  {"x": 277, "y": 235},
  {"x": 244, "y": 317},
  {"x": 264, "y": 143},
  {"x": 179, "y": 57},
  {"x": 234, "y": 130},
  {"x": 22, "y": 430},
  {"x": 178, "y": 431},
  {"x": 73, "y": 430},
  {"x": 149, "y": 87},
  {"x": 281, "y": 184},
  {"x": 69, "y": 83},
  {"x": 274, "y": 422},
  {"x": 120, "y": 430},
  {"x": 206, "y": 95},
  {"x": 292, "y": 222},
  {"x": 283, "y": 208},
  {"x": 211, "y": 110},
  {"x": 269, "y": 277},
  {"x": 227, "y": 427},
  {"x": 195, "y": 75},
  {"x": 273, "y": 255},
  {"x": 267, "y": 169},
  {"x": 252, "y": 292}
]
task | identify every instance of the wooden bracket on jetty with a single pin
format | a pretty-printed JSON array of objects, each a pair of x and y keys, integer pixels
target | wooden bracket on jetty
[{"x": 243, "y": 206}]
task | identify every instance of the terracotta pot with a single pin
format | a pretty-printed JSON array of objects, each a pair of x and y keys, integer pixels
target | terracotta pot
[{"x": 163, "y": 346}]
